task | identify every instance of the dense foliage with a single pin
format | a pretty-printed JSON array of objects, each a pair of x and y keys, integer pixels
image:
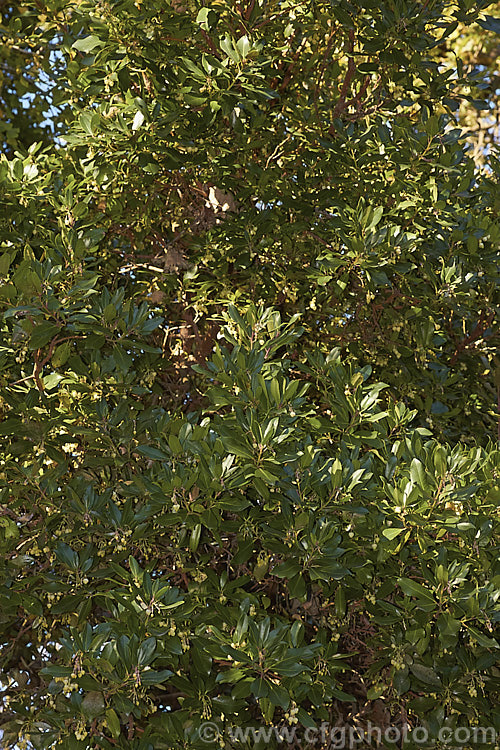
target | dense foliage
[{"x": 249, "y": 469}]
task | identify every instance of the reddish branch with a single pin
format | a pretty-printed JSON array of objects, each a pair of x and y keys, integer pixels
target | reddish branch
[
  {"x": 351, "y": 70},
  {"x": 323, "y": 68},
  {"x": 324, "y": 61},
  {"x": 211, "y": 44},
  {"x": 288, "y": 74},
  {"x": 479, "y": 329},
  {"x": 498, "y": 409},
  {"x": 356, "y": 100},
  {"x": 39, "y": 364},
  {"x": 289, "y": 70},
  {"x": 273, "y": 18},
  {"x": 318, "y": 238},
  {"x": 249, "y": 10}
]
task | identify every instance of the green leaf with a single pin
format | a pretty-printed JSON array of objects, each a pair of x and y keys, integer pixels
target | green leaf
[
  {"x": 447, "y": 624},
  {"x": 412, "y": 588},
  {"x": 266, "y": 476},
  {"x": 417, "y": 473},
  {"x": 392, "y": 532},
  {"x": 227, "y": 46},
  {"x": 426, "y": 674},
  {"x": 482, "y": 639},
  {"x": 287, "y": 569},
  {"x": 42, "y": 334},
  {"x": 291, "y": 199},
  {"x": 237, "y": 448},
  {"x": 150, "y": 452},
  {"x": 56, "y": 671},
  {"x": 377, "y": 215},
  {"x": 174, "y": 444},
  {"x": 113, "y": 723},
  {"x": 138, "y": 120},
  {"x": 87, "y": 44},
  {"x": 195, "y": 537},
  {"x": 93, "y": 704},
  {"x": 401, "y": 681},
  {"x": 195, "y": 71},
  {"x": 66, "y": 555},
  {"x": 109, "y": 313},
  {"x": 207, "y": 18},
  {"x": 490, "y": 23},
  {"x": 243, "y": 46},
  {"x": 341, "y": 695},
  {"x": 232, "y": 675},
  {"x": 5, "y": 261},
  {"x": 278, "y": 696},
  {"x": 375, "y": 692},
  {"x": 342, "y": 16},
  {"x": 8, "y": 529},
  {"x": 146, "y": 651},
  {"x": 340, "y": 602},
  {"x": 290, "y": 668},
  {"x": 61, "y": 354},
  {"x": 150, "y": 677}
]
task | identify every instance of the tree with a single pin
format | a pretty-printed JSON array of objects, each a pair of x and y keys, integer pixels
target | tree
[{"x": 249, "y": 464}]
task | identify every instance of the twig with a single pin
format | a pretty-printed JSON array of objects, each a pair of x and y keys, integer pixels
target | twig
[
  {"x": 289, "y": 70},
  {"x": 249, "y": 10},
  {"x": 211, "y": 44},
  {"x": 351, "y": 70},
  {"x": 40, "y": 364},
  {"x": 323, "y": 67},
  {"x": 481, "y": 326},
  {"x": 498, "y": 408}
]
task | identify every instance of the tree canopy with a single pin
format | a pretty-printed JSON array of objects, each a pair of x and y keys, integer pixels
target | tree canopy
[{"x": 250, "y": 389}]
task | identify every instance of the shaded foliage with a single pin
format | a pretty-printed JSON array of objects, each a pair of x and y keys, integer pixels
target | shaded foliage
[{"x": 249, "y": 407}]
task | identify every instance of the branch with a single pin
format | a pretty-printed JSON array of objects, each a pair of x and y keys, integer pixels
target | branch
[
  {"x": 40, "y": 364},
  {"x": 481, "y": 326},
  {"x": 289, "y": 70},
  {"x": 323, "y": 64},
  {"x": 249, "y": 10},
  {"x": 211, "y": 44},
  {"x": 351, "y": 70},
  {"x": 356, "y": 100},
  {"x": 498, "y": 409}
]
